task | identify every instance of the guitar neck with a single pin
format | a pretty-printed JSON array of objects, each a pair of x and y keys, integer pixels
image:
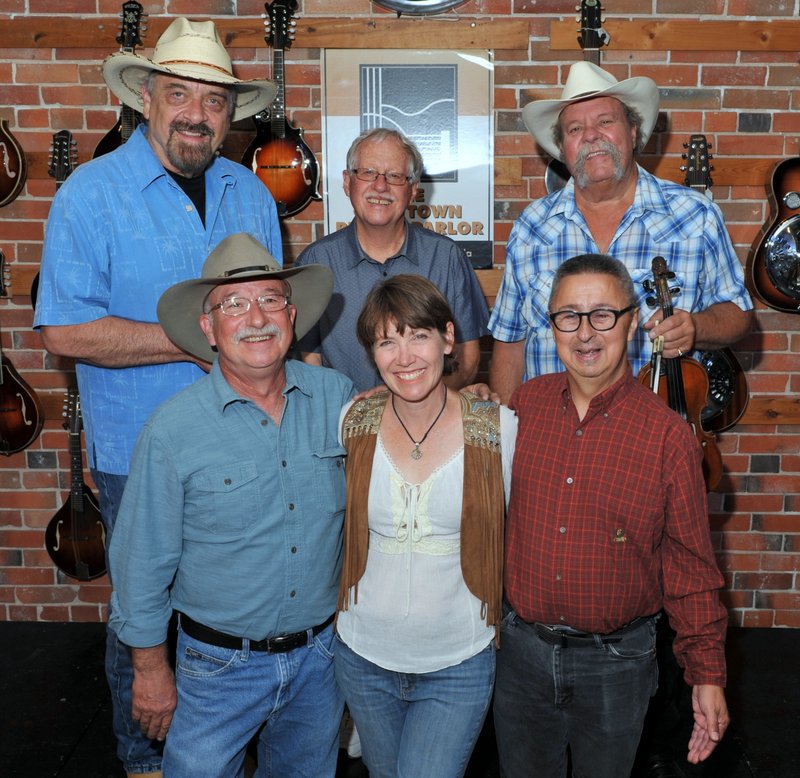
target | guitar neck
[
  {"x": 76, "y": 471},
  {"x": 128, "y": 122},
  {"x": 278, "y": 118}
]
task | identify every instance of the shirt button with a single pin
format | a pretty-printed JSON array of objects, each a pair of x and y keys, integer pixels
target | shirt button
[
  {"x": 283, "y": 463},
  {"x": 292, "y": 593},
  {"x": 227, "y": 482},
  {"x": 562, "y": 530},
  {"x": 561, "y": 618},
  {"x": 558, "y": 578},
  {"x": 570, "y": 480},
  {"x": 294, "y": 549},
  {"x": 578, "y": 433},
  {"x": 291, "y": 506},
  {"x": 264, "y": 422}
]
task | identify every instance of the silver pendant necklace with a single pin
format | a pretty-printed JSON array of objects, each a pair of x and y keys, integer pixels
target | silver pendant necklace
[{"x": 416, "y": 453}]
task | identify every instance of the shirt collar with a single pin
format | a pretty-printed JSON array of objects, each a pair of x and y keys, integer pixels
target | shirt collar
[
  {"x": 606, "y": 402},
  {"x": 407, "y": 250},
  {"x": 297, "y": 378}
]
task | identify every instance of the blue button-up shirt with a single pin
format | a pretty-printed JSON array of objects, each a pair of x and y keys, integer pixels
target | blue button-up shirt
[
  {"x": 120, "y": 232},
  {"x": 229, "y": 518},
  {"x": 665, "y": 219}
]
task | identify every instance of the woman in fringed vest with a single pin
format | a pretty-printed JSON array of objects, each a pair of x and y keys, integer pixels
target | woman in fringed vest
[{"x": 428, "y": 470}]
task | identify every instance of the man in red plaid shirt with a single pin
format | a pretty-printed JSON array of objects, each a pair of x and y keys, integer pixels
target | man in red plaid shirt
[{"x": 607, "y": 525}]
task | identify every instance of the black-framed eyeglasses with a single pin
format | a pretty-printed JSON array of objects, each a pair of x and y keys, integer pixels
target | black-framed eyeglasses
[
  {"x": 601, "y": 319},
  {"x": 370, "y": 174},
  {"x": 238, "y": 306}
]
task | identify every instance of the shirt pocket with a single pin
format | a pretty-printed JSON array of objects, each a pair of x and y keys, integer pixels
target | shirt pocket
[
  {"x": 536, "y": 304},
  {"x": 223, "y": 498},
  {"x": 329, "y": 483}
]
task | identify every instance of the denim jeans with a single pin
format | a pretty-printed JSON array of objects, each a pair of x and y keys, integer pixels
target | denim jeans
[
  {"x": 416, "y": 725},
  {"x": 138, "y": 753},
  {"x": 591, "y": 699},
  {"x": 226, "y": 696}
]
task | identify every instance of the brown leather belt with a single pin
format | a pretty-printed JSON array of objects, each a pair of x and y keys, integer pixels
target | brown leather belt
[{"x": 276, "y": 645}]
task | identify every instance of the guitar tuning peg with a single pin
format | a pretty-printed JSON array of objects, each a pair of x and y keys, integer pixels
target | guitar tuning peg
[{"x": 683, "y": 168}]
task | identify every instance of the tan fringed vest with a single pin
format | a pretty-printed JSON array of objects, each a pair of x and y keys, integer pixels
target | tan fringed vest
[{"x": 483, "y": 510}]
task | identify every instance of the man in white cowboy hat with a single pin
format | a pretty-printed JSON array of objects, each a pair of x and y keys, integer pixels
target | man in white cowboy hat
[
  {"x": 612, "y": 205},
  {"x": 122, "y": 229},
  {"x": 232, "y": 517}
]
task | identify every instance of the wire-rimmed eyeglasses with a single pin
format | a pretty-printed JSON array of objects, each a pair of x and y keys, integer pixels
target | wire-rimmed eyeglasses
[
  {"x": 390, "y": 176},
  {"x": 600, "y": 319},
  {"x": 238, "y": 306}
]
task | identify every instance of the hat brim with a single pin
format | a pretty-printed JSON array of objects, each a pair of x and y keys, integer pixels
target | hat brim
[
  {"x": 124, "y": 74},
  {"x": 639, "y": 93},
  {"x": 180, "y": 307}
]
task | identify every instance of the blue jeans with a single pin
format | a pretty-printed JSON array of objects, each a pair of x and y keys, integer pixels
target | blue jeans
[
  {"x": 416, "y": 725},
  {"x": 591, "y": 699},
  {"x": 138, "y": 753},
  {"x": 226, "y": 696}
]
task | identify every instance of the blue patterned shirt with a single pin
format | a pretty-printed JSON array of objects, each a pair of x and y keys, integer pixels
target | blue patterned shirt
[
  {"x": 665, "y": 219},
  {"x": 120, "y": 232}
]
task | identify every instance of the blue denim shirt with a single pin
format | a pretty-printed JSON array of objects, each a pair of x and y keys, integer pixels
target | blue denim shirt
[
  {"x": 229, "y": 518},
  {"x": 120, "y": 232}
]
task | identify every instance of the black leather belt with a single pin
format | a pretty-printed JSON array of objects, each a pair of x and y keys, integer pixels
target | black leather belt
[
  {"x": 566, "y": 638},
  {"x": 276, "y": 645}
]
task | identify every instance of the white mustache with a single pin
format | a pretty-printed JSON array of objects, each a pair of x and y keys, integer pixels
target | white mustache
[{"x": 257, "y": 332}]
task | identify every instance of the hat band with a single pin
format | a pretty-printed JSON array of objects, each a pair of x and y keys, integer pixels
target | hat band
[
  {"x": 236, "y": 271},
  {"x": 173, "y": 62}
]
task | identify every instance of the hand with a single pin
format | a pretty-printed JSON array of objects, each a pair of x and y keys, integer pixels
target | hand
[
  {"x": 678, "y": 330},
  {"x": 154, "y": 693},
  {"x": 370, "y": 392},
  {"x": 710, "y": 721}
]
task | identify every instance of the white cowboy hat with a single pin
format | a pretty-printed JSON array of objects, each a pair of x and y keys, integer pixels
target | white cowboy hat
[
  {"x": 187, "y": 50},
  {"x": 237, "y": 258},
  {"x": 584, "y": 82}
]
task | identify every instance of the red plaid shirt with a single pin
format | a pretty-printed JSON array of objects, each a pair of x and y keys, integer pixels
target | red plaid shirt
[{"x": 608, "y": 520}]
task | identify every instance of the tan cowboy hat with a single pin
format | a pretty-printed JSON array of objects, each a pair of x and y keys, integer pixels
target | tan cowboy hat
[
  {"x": 187, "y": 50},
  {"x": 585, "y": 81},
  {"x": 237, "y": 258}
]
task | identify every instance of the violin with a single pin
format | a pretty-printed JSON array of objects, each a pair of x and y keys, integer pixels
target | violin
[{"x": 685, "y": 384}]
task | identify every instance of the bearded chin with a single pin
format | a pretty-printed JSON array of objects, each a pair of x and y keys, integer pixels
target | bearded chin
[{"x": 189, "y": 159}]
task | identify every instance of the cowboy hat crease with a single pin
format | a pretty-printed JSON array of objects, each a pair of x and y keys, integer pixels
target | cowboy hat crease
[
  {"x": 240, "y": 257},
  {"x": 586, "y": 81},
  {"x": 192, "y": 50}
]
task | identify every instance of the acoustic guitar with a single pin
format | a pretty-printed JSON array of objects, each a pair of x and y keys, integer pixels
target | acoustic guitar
[
  {"x": 727, "y": 382},
  {"x": 278, "y": 154},
  {"x": 129, "y": 38},
  {"x": 592, "y": 37},
  {"x": 21, "y": 416},
  {"x": 13, "y": 165},
  {"x": 774, "y": 268},
  {"x": 76, "y": 537}
]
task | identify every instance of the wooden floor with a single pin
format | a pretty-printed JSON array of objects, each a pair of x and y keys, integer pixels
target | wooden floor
[{"x": 56, "y": 718}]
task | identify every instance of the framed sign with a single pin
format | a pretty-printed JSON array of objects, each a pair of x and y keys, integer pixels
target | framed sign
[{"x": 442, "y": 100}]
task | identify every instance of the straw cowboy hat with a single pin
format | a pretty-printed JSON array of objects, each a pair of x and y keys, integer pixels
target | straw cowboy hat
[
  {"x": 584, "y": 82},
  {"x": 186, "y": 50},
  {"x": 240, "y": 257}
]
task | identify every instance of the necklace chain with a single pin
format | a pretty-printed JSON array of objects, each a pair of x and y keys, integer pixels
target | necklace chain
[{"x": 415, "y": 452}]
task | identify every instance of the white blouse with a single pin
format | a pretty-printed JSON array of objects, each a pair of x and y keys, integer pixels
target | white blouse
[{"x": 415, "y": 614}]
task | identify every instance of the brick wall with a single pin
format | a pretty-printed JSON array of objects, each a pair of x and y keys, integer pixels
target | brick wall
[{"x": 742, "y": 95}]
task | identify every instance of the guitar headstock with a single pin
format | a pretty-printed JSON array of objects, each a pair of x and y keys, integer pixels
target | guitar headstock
[
  {"x": 280, "y": 23},
  {"x": 72, "y": 411},
  {"x": 132, "y": 25},
  {"x": 63, "y": 156},
  {"x": 698, "y": 163},
  {"x": 591, "y": 36}
]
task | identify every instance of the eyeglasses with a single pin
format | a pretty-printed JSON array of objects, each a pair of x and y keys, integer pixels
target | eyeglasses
[
  {"x": 601, "y": 319},
  {"x": 370, "y": 174},
  {"x": 238, "y": 306}
]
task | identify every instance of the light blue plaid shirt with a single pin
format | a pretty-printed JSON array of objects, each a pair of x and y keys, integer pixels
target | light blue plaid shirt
[{"x": 665, "y": 219}]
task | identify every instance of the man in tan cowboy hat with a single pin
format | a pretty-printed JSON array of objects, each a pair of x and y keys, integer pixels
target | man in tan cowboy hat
[
  {"x": 232, "y": 517},
  {"x": 612, "y": 205},
  {"x": 122, "y": 229}
]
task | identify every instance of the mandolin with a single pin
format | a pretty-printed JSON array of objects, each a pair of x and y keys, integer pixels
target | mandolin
[
  {"x": 13, "y": 166},
  {"x": 278, "y": 154},
  {"x": 685, "y": 384},
  {"x": 129, "y": 119},
  {"x": 592, "y": 37},
  {"x": 727, "y": 383},
  {"x": 21, "y": 416},
  {"x": 774, "y": 268},
  {"x": 76, "y": 537}
]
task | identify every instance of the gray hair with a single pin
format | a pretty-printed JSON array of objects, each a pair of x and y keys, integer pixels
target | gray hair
[
  {"x": 381, "y": 134},
  {"x": 594, "y": 263}
]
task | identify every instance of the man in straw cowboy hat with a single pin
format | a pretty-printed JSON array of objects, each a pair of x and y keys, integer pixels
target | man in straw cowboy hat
[
  {"x": 232, "y": 517},
  {"x": 122, "y": 229},
  {"x": 612, "y": 205}
]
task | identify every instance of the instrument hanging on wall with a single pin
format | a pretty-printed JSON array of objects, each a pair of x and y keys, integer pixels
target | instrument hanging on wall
[
  {"x": 592, "y": 38},
  {"x": 63, "y": 159},
  {"x": 21, "y": 416},
  {"x": 774, "y": 268},
  {"x": 685, "y": 387},
  {"x": 132, "y": 25},
  {"x": 727, "y": 382},
  {"x": 76, "y": 537},
  {"x": 278, "y": 154},
  {"x": 13, "y": 165}
]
